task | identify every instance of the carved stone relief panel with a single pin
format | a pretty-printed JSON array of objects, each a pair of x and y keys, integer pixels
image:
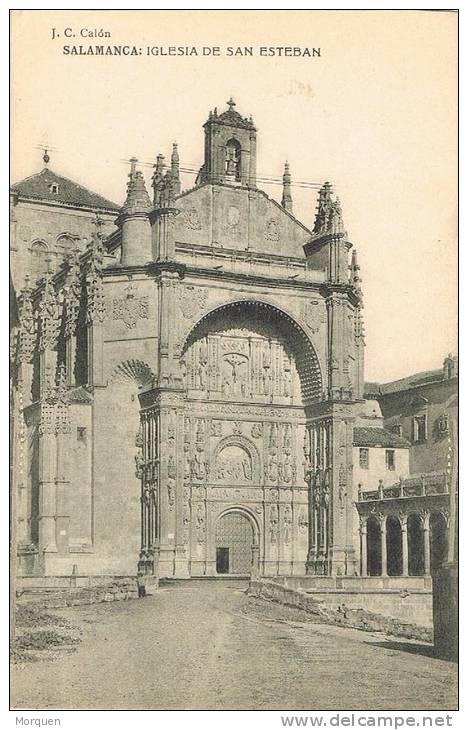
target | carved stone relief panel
[
  {"x": 240, "y": 365},
  {"x": 233, "y": 465}
]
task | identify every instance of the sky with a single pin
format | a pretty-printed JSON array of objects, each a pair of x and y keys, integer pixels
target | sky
[{"x": 375, "y": 114}]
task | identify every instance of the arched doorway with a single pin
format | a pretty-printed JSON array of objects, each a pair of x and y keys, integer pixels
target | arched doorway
[
  {"x": 394, "y": 546},
  {"x": 374, "y": 547},
  {"x": 438, "y": 533},
  {"x": 234, "y": 540},
  {"x": 415, "y": 545}
]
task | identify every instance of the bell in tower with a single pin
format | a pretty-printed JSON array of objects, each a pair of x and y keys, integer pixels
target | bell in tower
[{"x": 230, "y": 149}]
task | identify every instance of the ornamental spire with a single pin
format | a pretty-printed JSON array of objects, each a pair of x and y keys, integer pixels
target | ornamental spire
[
  {"x": 137, "y": 196},
  {"x": 175, "y": 169},
  {"x": 328, "y": 218},
  {"x": 48, "y": 315},
  {"x": 355, "y": 278},
  {"x": 96, "y": 306},
  {"x": 286, "y": 200},
  {"x": 72, "y": 293},
  {"x": 27, "y": 328}
]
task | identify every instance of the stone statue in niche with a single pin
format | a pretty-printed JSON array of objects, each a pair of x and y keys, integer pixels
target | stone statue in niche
[
  {"x": 200, "y": 436},
  {"x": 200, "y": 524},
  {"x": 202, "y": 365},
  {"x": 187, "y": 472},
  {"x": 287, "y": 437},
  {"x": 273, "y": 442},
  {"x": 198, "y": 465},
  {"x": 287, "y": 469},
  {"x": 303, "y": 521},
  {"x": 266, "y": 369},
  {"x": 171, "y": 427},
  {"x": 287, "y": 381},
  {"x": 287, "y": 519},
  {"x": 187, "y": 430},
  {"x": 273, "y": 467},
  {"x": 226, "y": 386},
  {"x": 341, "y": 498},
  {"x": 273, "y": 523},
  {"x": 171, "y": 468},
  {"x": 186, "y": 523},
  {"x": 171, "y": 493}
]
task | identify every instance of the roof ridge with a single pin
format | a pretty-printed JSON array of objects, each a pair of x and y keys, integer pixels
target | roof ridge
[{"x": 68, "y": 180}]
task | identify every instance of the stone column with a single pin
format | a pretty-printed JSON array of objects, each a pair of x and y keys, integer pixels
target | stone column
[
  {"x": 71, "y": 309},
  {"x": 363, "y": 533},
  {"x": 62, "y": 470},
  {"x": 48, "y": 335},
  {"x": 427, "y": 544},
  {"x": 25, "y": 348},
  {"x": 383, "y": 543},
  {"x": 404, "y": 542}
]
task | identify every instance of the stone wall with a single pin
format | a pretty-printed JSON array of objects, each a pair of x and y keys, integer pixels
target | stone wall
[
  {"x": 55, "y": 593},
  {"x": 382, "y": 606},
  {"x": 41, "y": 222}
]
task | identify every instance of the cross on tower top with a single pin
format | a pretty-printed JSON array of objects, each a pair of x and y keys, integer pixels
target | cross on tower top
[{"x": 231, "y": 104}]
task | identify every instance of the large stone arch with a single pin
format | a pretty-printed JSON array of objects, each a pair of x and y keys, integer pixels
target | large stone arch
[{"x": 293, "y": 336}]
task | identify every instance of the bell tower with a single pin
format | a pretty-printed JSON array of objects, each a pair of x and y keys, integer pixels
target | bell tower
[{"x": 230, "y": 149}]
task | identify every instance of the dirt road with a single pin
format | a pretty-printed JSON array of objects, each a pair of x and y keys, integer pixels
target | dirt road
[{"x": 206, "y": 645}]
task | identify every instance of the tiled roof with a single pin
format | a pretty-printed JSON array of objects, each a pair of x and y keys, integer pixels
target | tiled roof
[
  {"x": 412, "y": 381},
  {"x": 363, "y": 436},
  {"x": 39, "y": 187}
]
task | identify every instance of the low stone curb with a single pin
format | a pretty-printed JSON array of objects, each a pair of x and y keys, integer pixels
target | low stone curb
[{"x": 116, "y": 591}]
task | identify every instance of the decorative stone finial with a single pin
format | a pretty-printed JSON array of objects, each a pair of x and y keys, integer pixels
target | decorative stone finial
[
  {"x": 48, "y": 314},
  {"x": 231, "y": 104},
  {"x": 46, "y": 157},
  {"x": 175, "y": 169},
  {"x": 328, "y": 218},
  {"x": 286, "y": 200},
  {"x": 133, "y": 162},
  {"x": 137, "y": 196},
  {"x": 355, "y": 278}
]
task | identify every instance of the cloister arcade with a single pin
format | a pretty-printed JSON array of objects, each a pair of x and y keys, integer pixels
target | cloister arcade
[{"x": 405, "y": 535}]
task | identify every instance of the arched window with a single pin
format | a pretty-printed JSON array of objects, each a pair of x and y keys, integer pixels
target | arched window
[
  {"x": 233, "y": 160},
  {"x": 64, "y": 246},
  {"x": 39, "y": 254}
]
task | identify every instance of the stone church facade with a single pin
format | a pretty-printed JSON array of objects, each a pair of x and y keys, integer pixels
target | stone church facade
[{"x": 187, "y": 384}]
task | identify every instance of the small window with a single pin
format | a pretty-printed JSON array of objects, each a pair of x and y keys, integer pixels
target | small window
[
  {"x": 390, "y": 459},
  {"x": 420, "y": 432},
  {"x": 81, "y": 434},
  {"x": 397, "y": 429},
  {"x": 364, "y": 458},
  {"x": 442, "y": 424},
  {"x": 54, "y": 188}
]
